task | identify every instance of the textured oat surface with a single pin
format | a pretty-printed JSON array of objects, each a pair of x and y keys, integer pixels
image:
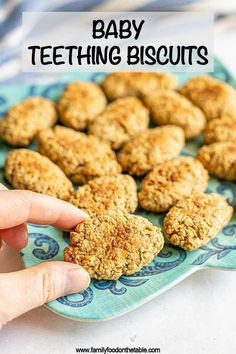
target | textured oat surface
[
  {"x": 27, "y": 169},
  {"x": 195, "y": 220},
  {"x": 148, "y": 149},
  {"x": 109, "y": 246},
  {"x": 219, "y": 159},
  {"x": 170, "y": 181},
  {"x": 121, "y": 120},
  {"x": 107, "y": 195},
  {"x": 82, "y": 157},
  {"x": 221, "y": 129},
  {"x": 80, "y": 103},
  {"x": 121, "y": 84},
  {"x": 169, "y": 107},
  {"x": 214, "y": 97},
  {"x": 24, "y": 120}
]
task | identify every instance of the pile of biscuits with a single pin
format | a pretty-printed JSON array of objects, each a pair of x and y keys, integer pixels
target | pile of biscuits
[{"x": 131, "y": 126}]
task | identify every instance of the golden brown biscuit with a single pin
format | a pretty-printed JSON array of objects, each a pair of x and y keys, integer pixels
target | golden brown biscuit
[
  {"x": 214, "y": 97},
  {"x": 109, "y": 246},
  {"x": 170, "y": 181},
  {"x": 142, "y": 153},
  {"x": 27, "y": 169},
  {"x": 122, "y": 84},
  {"x": 82, "y": 157},
  {"x": 24, "y": 120},
  {"x": 80, "y": 103},
  {"x": 122, "y": 119},
  {"x": 169, "y": 107},
  {"x": 195, "y": 220},
  {"x": 219, "y": 159},
  {"x": 107, "y": 195},
  {"x": 219, "y": 130}
]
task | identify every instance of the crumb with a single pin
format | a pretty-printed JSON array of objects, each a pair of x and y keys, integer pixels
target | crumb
[
  {"x": 122, "y": 119},
  {"x": 107, "y": 195},
  {"x": 170, "y": 181},
  {"x": 122, "y": 84},
  {"x": 27, "y": 169},
  {"x": 220, "y": 130},
  {"x": 82, "y": 157},
  {"x": 214, "y": 97},
  {"x": 195, "y": 220},
  {"x": 219, "y": 159},
  {"x": 80, "y": 103},
  {"x": 169, "y": 107},
  {"x": 24, "y": 120},
  {"x": 146, "y": 150}
]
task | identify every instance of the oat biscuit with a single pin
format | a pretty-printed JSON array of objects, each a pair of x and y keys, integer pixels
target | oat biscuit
[
  {"x": 24, "y": 120},
  {"x": 214, "y": 97},
  {"x": 219, "y": 130},
  {"x": 170, "y": 181},
  {"x": 109, "y": 246},
  {"x": 169, "y": 107},
  {"x": 219, "y": 159},
  {"x": 121, "y": 120},
  {"x": 107, "y": 195},
  {"x": 82, "y": 157},
  {"x": 195, "y": 220},
  {"x": 146, "y": 150},
  {"x": 122, "y": 84},
  {"x": 80, "y": 103},
  {"x": 27, "y": 169}
]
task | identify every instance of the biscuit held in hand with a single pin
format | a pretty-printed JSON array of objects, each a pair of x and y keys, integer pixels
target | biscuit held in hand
[
  {"x": 195, "y": 220},
  {"x": 170, "y": 181},
  {"x": 107, "y": 195},
  {"x": 219, "y": 159},
  {"x": 146, "y": 150},
  {"x": 23, "y": 121},
  {"x": 122, "y": 119},
  {"x": 80, "y": 103},
  {"x": 27, "y": 169},
  {"x": 109, "y": 246},
  {"x": 169, "y": 107},
  {"x": 81, "y": 157},
  {"x": 122, "y": 84}
]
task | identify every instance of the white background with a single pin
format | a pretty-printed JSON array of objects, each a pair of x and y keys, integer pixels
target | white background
[
  {"x": 76, "y": 28},
  {"x": 197, "y": 316}
]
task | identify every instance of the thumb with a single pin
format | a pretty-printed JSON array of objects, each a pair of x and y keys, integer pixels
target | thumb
[{"x": 26, "y": 289}]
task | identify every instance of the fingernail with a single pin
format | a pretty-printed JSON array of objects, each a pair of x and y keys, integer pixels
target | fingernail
[
  {"x": 84, "y": 214},
  {"x": 77, "y": 280}
]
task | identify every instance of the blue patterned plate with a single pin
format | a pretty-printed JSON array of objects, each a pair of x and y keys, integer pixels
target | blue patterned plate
[{"x": 108, "y": 299}]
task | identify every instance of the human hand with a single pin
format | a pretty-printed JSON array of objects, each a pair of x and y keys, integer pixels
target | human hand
[{"x": 26, "y": 289}]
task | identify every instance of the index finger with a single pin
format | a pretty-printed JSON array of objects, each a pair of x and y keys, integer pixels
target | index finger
[{"x": 17, "y": 207}]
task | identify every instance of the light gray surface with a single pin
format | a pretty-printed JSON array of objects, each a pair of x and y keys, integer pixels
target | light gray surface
[{"x": 196, "y": 316}]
